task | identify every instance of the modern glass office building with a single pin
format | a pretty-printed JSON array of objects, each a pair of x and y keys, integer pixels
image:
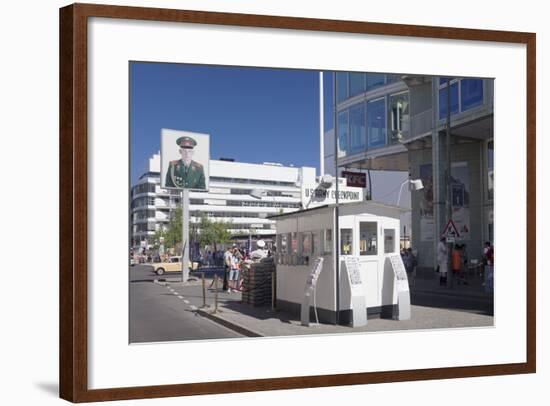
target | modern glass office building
[{"x": 394, "y": 122}]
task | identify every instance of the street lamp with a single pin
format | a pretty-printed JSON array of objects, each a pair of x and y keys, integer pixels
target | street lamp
[{"x": 414, "y": 184}]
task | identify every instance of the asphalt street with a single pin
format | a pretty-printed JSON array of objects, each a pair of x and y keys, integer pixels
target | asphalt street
[
  {"x": 164, "y": 309},
  {"x": 161, "y": 313}
]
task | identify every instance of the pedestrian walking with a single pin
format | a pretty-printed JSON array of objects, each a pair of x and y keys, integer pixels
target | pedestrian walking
[
  {"x": 442, "y": 265},
  {"x": 409, "y": 260},
  {"x": 456, "y": 262},
  {"x": 227, "y": 262}
]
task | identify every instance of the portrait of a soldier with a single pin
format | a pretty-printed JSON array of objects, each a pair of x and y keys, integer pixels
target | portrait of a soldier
[{"x": 184, "y": 172}]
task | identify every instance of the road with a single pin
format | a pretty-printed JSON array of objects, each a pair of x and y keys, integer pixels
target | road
[{"x": 160, "y": 313}]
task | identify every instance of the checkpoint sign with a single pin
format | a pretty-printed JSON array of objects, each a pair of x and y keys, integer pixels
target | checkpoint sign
[{"x": 450, "y": 232}]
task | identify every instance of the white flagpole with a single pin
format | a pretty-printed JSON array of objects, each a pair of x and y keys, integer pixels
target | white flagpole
[{"x": 321, "y": 127}]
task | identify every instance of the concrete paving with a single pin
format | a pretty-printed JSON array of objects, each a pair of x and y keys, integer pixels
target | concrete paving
[{"x": 263, "y": 321}]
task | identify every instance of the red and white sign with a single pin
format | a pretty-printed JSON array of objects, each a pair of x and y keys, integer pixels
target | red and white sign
[
  {"x": 355, "y": 179},
  {"x": 450, "y": 232}
]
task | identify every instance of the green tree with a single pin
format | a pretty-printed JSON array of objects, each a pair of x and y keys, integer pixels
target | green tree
[
  {"x": 172, "y": 235},
  {"x": 213, "y": 232},
  {"x": 209, "y": 232}
]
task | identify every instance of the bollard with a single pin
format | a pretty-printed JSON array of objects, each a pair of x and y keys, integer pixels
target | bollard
[
  {"x": 273, "y": 290},
  {"x": 215, "y": 294},
  {"x": 203, "y": 291}
]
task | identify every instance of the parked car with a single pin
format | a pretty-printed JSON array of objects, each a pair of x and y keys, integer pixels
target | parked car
[{"x": 173, "y": 264}]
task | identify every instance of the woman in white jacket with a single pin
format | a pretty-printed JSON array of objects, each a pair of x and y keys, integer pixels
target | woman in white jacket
[{"x": 442, "y": 261}]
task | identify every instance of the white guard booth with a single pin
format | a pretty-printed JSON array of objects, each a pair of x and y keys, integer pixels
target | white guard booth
[{"x": 371, "y": 271}]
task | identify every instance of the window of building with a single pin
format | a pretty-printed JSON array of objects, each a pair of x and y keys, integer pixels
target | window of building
[
  {"x": 399, "y": 117},
  {"x": 327, "y": 241},
  {"x": 357, "y": 83},
  {"x": 471, "y": 93},
  {"x": 368, "y": 238},
  {"x": 389, "y": 241},
  {"x": 306, "y": 243},
  {"x": 341, "y": 86},
  {"x": 294, "y": 243},
  {"x": 376, "y": 123},
  {"x": 375, "y": 80},
  {"x": 443, "y": 96},
  {"x": 490, "y": 169},
  {"x": 314, "y": 242},
  {"x": 346, "y": 241},
  {"x": 343, "y": 133},
  {"x": 357, "y": 128}
]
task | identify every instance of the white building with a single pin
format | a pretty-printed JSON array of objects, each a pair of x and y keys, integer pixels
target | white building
[{"x": 277, "y": 189}]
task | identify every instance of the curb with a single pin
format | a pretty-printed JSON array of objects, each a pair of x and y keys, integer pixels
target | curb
[{"x": 230, "y": 325}]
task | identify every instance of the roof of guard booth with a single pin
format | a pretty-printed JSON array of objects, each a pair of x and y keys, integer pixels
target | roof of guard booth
[{"x": 366, "y": 203}]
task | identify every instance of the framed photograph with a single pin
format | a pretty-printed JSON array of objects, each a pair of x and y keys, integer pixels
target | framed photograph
[
  {"x": 184, "y": 160},
  {"x": 340, "y": 204}
]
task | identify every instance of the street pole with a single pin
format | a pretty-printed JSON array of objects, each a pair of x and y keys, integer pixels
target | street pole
[
  {"x": 336, "y": 211},
  {"x": 321, "y": 126},
  {"x": 448, "y": 183},
  {"x": 185, "y": 235}
]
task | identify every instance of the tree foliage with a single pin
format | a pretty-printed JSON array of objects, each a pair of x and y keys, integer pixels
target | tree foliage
[
  {"x": 209, "y": 232},
  {"x": 213, "y": 232}
]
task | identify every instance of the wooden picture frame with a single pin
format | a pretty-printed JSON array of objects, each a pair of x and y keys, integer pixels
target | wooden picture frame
[{"x": 73, "y": 199}]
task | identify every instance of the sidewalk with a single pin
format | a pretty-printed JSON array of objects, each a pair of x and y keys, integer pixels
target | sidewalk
[
  {"x": 264, "y": 322},
  {"x": 430, "y": 285}
]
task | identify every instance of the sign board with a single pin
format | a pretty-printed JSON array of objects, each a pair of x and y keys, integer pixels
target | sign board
[
  {"x": 184, "y": 160},
  {"x": 311, "y": 284},
  {"x": 355, "y": 179},
  {"x": 402, "y": 285},
  {"x": 358, "y": 299},
  {"x": 354, "y": 271},
  {"x": 311, "y": 281},
  {"x": 450, "y": 232},
  {"x": 400, "y": 272}
]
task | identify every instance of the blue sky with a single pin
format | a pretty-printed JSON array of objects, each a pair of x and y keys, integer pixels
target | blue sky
[{"x": 251, "y": 114}]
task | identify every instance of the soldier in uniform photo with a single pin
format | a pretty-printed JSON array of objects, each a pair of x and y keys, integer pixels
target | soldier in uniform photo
[{"x": 184, "y": 172}]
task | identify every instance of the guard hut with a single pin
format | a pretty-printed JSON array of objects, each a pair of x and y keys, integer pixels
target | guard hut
[{"x": 370, "y": 267}]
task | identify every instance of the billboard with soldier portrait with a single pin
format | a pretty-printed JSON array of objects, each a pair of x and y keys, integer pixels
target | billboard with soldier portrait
[{"x": 184, "y": 160}]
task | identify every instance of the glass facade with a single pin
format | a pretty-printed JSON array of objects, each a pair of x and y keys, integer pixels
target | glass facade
[
  {"x": 471, "y": 93},
  {"x": 490, "y": 169},
  {"x": 375, "y": 80},
  {"x": 341, "y": 86},
  {"x": 357, "y": 83},
  {"x": 357, "y": 128},
  {"x": 376, "y": 123},
  {"x": 399, "y": 116},
  {"x": 465, "y": 94},
  {"x": 443, "y": 99},
  {"x": 343, "y": 133}
]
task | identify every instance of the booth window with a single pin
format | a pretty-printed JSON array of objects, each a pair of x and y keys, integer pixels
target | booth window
[
  {"x": 328, "y": 241},
  {"x": 368, "y": 244},
  {"x": 389, "y": 241},
  {"x": 315, "y": 242},
  {"x": 306, "y": 243},
  {"x": 346, "y": 241},
  {"x": 293, "y": 243}
]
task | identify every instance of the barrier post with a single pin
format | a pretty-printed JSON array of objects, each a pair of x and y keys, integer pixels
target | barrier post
[
  {"x": 273, "y": 290},
  {"x": 215, "y": 294},
  {"x": 203, "y": 291}
]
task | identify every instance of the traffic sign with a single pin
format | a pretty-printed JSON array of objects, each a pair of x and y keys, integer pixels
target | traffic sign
[{"x": 450, "y": 232}]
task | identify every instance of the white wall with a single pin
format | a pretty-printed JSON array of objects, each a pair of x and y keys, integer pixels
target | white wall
[{"x": 29, "y": 125}]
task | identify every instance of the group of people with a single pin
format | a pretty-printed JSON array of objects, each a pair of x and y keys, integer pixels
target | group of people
[
  {"x": 459, "y": 262},
  {"x": 232, "y": 259}
]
